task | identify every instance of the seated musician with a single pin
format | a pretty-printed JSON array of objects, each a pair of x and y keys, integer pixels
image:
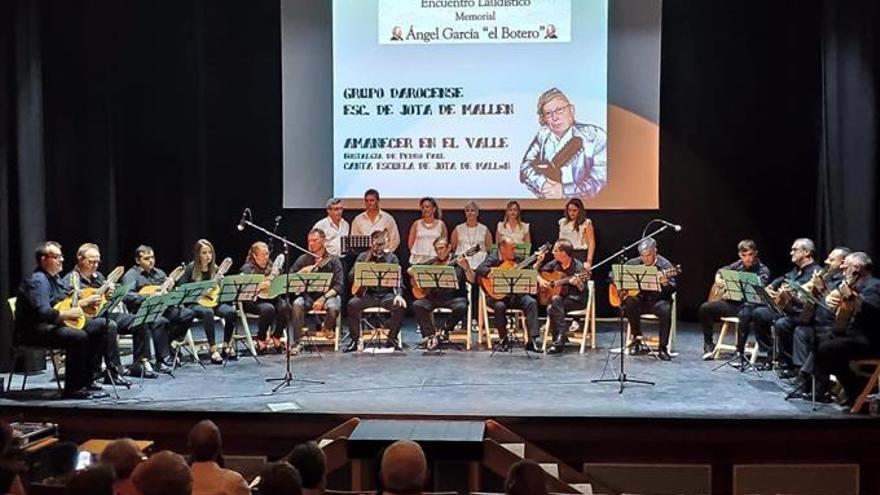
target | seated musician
[
  {"x": 319, "y": 261},
  {"x": 88, "y": 257},
  {"x": 452, "y": 299},
  {"x": 572, "y": 296},
  {"x": 819, "y": 327},
  {"x": 857, "y": 303},
  {"x": 506, "y": 255},
  {"x": 374, "y": 218},
  {"x": 764, "y": 317},
  {"x": 712, "y": 310},
  {"x": 38, "y": 323},
  {"x": 367, "y": 297},
  {"x": 173, "y": 323},
  {"x": 270, "y": 311},
  {"x": 658, "y": 303},
  {"x": 204, "y": 267}
]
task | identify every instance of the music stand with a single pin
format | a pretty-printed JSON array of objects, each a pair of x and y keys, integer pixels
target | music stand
[
  {"x": 238, "y": 289},
  {"x": 116, "y": 297},
  {"x": 368, "y": 275},
  {"x": 523, "y": 249},
  {"x": 354, "y": 243},
  {"x": 190, "y": 294},
  {"x": 435, "y": 277},
  {"x": 508, "y": 282},
  {"x": 309, "y": 283},
  {"x": 745, "y": 287}
]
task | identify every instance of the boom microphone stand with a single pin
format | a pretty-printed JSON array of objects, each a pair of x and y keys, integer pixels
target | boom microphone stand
[{"x": 288, "y": 377}]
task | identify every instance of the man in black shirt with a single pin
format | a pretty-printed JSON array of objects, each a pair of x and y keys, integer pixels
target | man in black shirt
[
  {"x": 173, "y": 323},
  {"x": 712, "y": 310},
  {"x": 270, "y": 311},
  {"x": 506, "y": 255},
  {"x": 367, "y": 297},
  {"x": 658, "y": 303},
  {"x": 453, "y": 299},
  {"x": 319, "y": 261},
  {"x": 571, "y": 297},
  {"x": 38, "y": 323}
]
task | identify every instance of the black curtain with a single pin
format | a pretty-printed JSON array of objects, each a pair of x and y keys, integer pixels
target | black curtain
[{"x": 156, "y": 122}]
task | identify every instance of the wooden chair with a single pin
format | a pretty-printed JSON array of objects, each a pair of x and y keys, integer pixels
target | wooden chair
[
  {"x": 319, "y": 338},
  {"x": 588, "y": 329},
  {"x": 873, "y": 381},
  {"x": 373, "y": 333},
  {"x": 726, "y": 323},
  {"x": 18, "y": 349},
  {"x": 245, "y": 331},
  {"x": 517, "y": 315}
]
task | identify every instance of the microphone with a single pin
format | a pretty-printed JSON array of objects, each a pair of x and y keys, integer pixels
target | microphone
[
  {"x": 677, "y": 228},
  {"x": 244, "y": 216}
]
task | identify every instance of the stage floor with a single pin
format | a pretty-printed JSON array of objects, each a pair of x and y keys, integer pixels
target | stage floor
[{"x": 460, "y": 383}]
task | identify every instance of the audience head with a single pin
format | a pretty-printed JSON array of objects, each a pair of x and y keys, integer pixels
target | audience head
[
  {"x": 62, "y": 458},
  {"x": 94, "y": 480},
  {"x": 404, "y": 468},
  {"x": 205, "y": 442},
  {"x": 311, "y": 463},
  {"x": 164, "y": 473},
  {"x": 525, "y": 477},
  {"x": 124, "y": 455},
  {"x": 5, "y": 437},
  {"x": 280, "y": 478}
]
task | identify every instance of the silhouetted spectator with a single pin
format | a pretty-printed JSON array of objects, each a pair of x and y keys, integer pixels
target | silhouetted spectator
[
  {"x": 10, "y": 465},
  {"x": 404, "y": 468},
  {"x": 525, "y": 477},
  {"x": 311, "y": 463},
  {"x": 61, "y": 461},
  {"x": 94, "y": 480},
  {"x": 210, "y": 477},
  {"x": 280, "y": 478},
  {"x": 164, "y": 473},
  {"x": 123, "y": 455}
]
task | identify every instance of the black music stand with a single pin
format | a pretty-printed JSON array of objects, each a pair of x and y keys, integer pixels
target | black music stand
[
  {"x": 368, "y": 274},
  {"x": 307, "y": 283},
  {"x": 508, "y": 282},
  {"x": 190, "y": 294},
  {"x": 808, "y": 296},
  {"x": 354, "y": 243},
  {"x": 238, "y": 289},
  {"x": 435, "y": 277},
  {"x": 743, "y": 287}
]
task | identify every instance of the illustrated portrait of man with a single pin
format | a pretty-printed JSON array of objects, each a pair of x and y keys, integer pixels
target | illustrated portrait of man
[
  {"x": 566, "y": 159},
  {"x": 396, "y": 33},
  {"x": 550, "y": 32}
]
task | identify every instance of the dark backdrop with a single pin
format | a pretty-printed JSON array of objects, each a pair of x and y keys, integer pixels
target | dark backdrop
[{"x": 157, "y": 122}]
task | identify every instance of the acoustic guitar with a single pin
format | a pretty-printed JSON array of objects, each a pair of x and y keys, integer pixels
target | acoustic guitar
[
  {"x": 72, "y": 302},
  {"x": 488, "y": 285},
  {"x": 420, "y": 293},
  {"x": 165, "y": 286},
  {"x": 88, "y": 292},
  {"x": 210, "y": 299},
  {"x": 616, "y": 297},
  {"x": 558, "y": 281},
  {"x": 277, "y": 265}
]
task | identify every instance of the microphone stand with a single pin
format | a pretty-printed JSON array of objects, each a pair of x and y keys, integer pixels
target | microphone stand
[
  {"x": 288, "y": 377},
  {"x": 621, "y": 377}
]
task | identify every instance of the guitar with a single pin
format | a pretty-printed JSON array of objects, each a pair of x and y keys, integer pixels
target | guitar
[
  {"x": 158, "y": 290},
  {"x": 210, "y": 298},
  {"x": 553, "y": 169},
  {"x": 558, "y": 280},
  {"x": 420, "y": 293},
  {"x": 616, "y": 297},
  {"x": 277, "y": 265},
  {"x": 850, "y": 304},
  {"x": 486, "y": 282},
  {"x": 72, "y": 302},
  {"x": 88, "y": 292}
]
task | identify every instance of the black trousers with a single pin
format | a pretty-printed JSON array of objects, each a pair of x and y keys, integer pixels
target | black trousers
[
  {"x": 82, "y": 348},
  {"x": 357, "y": 305},
  {"x": 525, "y": 302},
  {"x": 757, "y": 319},
  {"x": 834, "y": 354},
  {"x": 206, "y": 316},
  {"x": 635, "y": 307},
  {"x": 559, "y": 305},
  {"x": 275, "y": 311},
  {"x": 802, "y": 354},
  {"x": 423, "y": 309},
  {"x": 709, "y": 312}
]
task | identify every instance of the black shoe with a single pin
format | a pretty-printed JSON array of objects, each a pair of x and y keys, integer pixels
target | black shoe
[
  {"x": 708, "y": 351},
  {"x": 503, "y": 344},
  {"x": 788, "y": 372},
  {"x": 93, "y": 387},
  {"x": 75, "y": 395},
  {"x": 352, "y": 346},
  {"x": 138, "y": 371},
  {"x": 118, "y": 380},
  {"x": 638, "y": 348},
  {"x": 533, "y": 345},
  {"x": 394, "y": 344},
  {"x": 160, "y": 367},
  {"x": 556, "y": 349},
  {"x": 663, "y": 354}
]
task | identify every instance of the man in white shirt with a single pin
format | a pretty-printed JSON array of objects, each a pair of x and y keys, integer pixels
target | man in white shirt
[
  {"x": 373, "y": 219},
  {"x": 333, "y": 226}
]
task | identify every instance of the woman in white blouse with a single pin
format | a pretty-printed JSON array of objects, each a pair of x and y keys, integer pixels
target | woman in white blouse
[
  {"x": 471, "y": 233},
  {"x": 577, "y": 228},
  {"x": 512, "y": 226},
  {"x": 424, "y": 231}
]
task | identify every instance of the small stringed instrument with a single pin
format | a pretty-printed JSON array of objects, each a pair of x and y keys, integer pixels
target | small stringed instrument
[
  {"x": 553, "y": 169},
  {"x": 420, "y": 293},
  {"x": 210, "y": 298},
  {"x": 849, "y": 304},
  {"x": 72, "y": 302},
  {"x": 616, "y": 297},
  {"x": 818, "y": 287},
  {"x": 158, "y": 290},
  {"x": 488, "y": 285},
  {"x": 88, "y": 292},
  {"x": 558, "y": 281},
  {"x": 277, "y": 265}
]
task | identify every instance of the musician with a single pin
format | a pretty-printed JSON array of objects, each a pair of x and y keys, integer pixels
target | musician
[
  {"x": 581, "y": 176},
  {"x": 471, "y": 233},
  {"x": 38, "y": 323},
  {"x": 270, "y": 311},
  {"x": 820, "y": 328},
  {"x": 88, "y": 257},
  {"x": 424, "y": 231},
  {"x": 578, "y": 229},
  {"x": 385, "y": 297},
  {"x": 173, "y": 323},
  {"x": 860, "y": 337},
  {"x": 763, "y": 317},
  {"x": 507, "y": 255},
  {"x": 320, "y": 260},
  {"x": 658, "y": 303},
  {"x": 571, "y": 298},
  {"x": 452, "y": 299},
  {"x": 373, "y": 218},
  {"x": 333, "y": 226},
  {"x": 711, "y": 310},
  {"x": 513, "y": 226},
  {"x": 204, "y": 267}
]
